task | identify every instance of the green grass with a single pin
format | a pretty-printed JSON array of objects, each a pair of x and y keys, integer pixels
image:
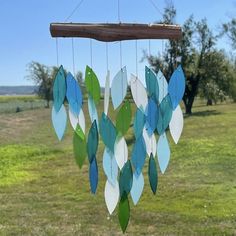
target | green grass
[{"x": 42, "y": 191}]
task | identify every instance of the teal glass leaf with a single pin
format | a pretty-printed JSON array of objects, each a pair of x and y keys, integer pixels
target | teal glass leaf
[
  {"x": 152, "y": 174},
  {"x": 79, "y": 147},
  {"x": 123, "y": 118},
  {"x": 108, "y": 132},
  {"x": 92, "y": 110},
  {"x": 139, "y": 122},
  {"x": 126, "y": 178},
  {"x": 124, "y": 212},
  {"x": 92, "y": 84},
  {"x": 93, "y": 175},
  {"x": 160, "y": 124},
  {"x": 152, "y": 116},
  {"x": 151, "y": 84},
  {"x": 59, "y": 121},
  {"x": 92, "y": 143},
  {"x": 163, "y": 85},
  {"x": 110, "y": 166},
  {"x": 138, "y": 155},
  {"x": 137, "y": 188},
  {"x": 163, "y": 152},
  {"x": 59, "y": 89},
  {"x": 119, "y": 87},
  {"x": 176, "y": 87},
  {"x": 73, "y": 94}
]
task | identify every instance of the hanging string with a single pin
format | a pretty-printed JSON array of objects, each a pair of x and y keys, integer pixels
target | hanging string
[
  {"x": 107, "y": 56},
  {"x": 118, "y": 9},
  {"x": 120, "y": 54},
  {"x": 136, "y": 52},
  {"x": 149, "y": 48},
  {"x": 155, "y": 7},
  {"x": 73, "y": 55},
  {"x": 57, "y": 52},
  {"x": 74, "y": 10},
  {"x": 91, "y": 53}
]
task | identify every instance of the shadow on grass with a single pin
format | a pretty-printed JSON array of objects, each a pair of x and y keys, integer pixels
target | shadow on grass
[{"x": 204, "y": 113}]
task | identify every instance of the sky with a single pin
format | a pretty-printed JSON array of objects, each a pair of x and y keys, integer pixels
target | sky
[{"x": 25, "y": 36}]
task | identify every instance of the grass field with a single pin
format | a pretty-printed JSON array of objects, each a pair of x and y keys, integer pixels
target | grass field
[{"x": 42, "y": 191}]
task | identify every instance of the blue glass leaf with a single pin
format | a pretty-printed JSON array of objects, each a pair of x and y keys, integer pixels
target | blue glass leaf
[
  {"x": 110, "y": 166},
  {"x": 126, "y": 178},
  {"x": 137, "y": 188},
  {"x": 163, "y": 152},
  {"x": 138, "y": 155},
  {"x": 139, "y": 122},
  {"x": 73, "y": 94},
  {"x": 119, "y": 87},
  {"x": 93, "y": 175},
  {"x": 152, "y": 116},
  {"x": 108, "y": 132},
  {"x": 152, "y": 174},
  {"x": 163, "y": 85},
  {"x": 152, "y": 84},
  {"x": 59, "y": 89},
  {"x": 176, "y": 86},
  {"x": 92, "y": 143},
  {"x": 59, "y": 121},
  {"x": 92, "y": 110}
]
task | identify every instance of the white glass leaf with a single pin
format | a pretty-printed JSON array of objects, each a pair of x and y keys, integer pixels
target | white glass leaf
[
  {"x": 107, "y": 93},
  {"x": 119, "y": 87},
  {"x": 121, "y": 151},
  {"x": 82, "y": 120},
  {"x": 138, "y": 92},
  {"x": 163, "y": 152},
  {"x": 59, "y": 120},
  {"x": 163, "y": 85},
  {"x": 176, "y": 124},
  {"x": 137, "y": 188},
  {"x": 112, "y": 194},
  {"x": 74, "y": 119},
  {"x": 150, "y": 142}
]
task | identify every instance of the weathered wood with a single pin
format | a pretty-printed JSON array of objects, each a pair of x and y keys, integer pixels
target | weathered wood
[{"x": 116, "y": 32}]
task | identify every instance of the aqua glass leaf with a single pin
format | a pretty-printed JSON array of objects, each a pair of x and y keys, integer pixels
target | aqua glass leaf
[
  {"x": 111, "y": 195},
  {"x": 92, "y": 84},
  {"x": 124, "y": 212},
  {"x": 59, "y": 89},
  {"x": 119, "y": 87},
  {"x": 73, "y": 94},
  {"x": 138, "y": 155},
  {"x": 139, "y": 93},
  {"x": 176, "y": 86},
  {"x": 107, "y": 93},
  {"x": 92, "y": 143},
  {"x": 108, "y": 132},
  {"x": 163, "y": 152},
  {"x": 59, "y": 121},
  {"x": 110, "y": 166},
  {"x": 176, "y": 124},
  {"x": 150, "y": 143},
  {"x": 93, "y": 175},
  {"x": 152, "y": 116},
  {"x": 121, "y": 151},
  {"x": 139, "y": 122},
  {"x": 75, "y": 119},
  {"x": 151, "y": 84},
  {"x": 137, "y": 188},
  {"x": 92, "y": 110},
  {"x": 79, "y": 147},
  {"x": 163, "y": 85},
  {"x": 126, "y": 178},
  {"x": 152, "y": 174},
  {"x": 123, "y": 118}
]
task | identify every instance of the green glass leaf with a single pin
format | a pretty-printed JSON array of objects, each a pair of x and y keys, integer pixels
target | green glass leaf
[
  {"x": 80, "y": 132},
  {"x": 152, "y": 174},
  {"x": 92, "y": 84},
  {"x": 124, "y": 212},
  {"x": 92, "y": 144},
  {"x": 79, "y": 146},
  {"x": 126, "y": 178},
  {"x": 123, "y": 118},
  {"x": 108, "y": 132}
]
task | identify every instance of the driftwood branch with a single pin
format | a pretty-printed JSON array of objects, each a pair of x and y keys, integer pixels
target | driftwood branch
[{"x": 116, "y": 32}]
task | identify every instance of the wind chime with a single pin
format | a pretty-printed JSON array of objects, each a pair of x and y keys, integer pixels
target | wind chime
[{"x": 157, "y": 108}]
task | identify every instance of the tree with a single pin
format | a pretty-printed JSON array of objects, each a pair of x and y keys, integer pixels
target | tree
[{"x": 42, "y": 76}]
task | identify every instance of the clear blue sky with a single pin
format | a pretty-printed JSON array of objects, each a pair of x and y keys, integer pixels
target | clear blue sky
[{"x": 25, "y": 32}]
